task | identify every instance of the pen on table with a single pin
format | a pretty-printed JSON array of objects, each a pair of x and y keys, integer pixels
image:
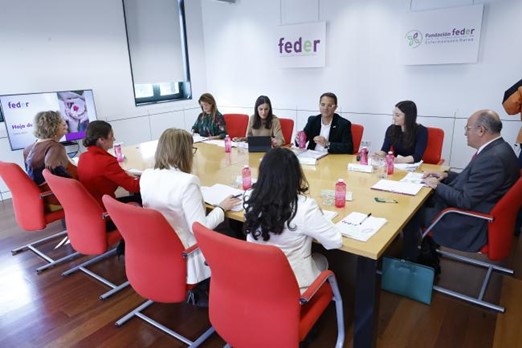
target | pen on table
[{"x": 366, "y": 217}]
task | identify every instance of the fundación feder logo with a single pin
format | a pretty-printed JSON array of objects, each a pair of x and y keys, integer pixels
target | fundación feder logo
[{"x": 414, "y": 38}]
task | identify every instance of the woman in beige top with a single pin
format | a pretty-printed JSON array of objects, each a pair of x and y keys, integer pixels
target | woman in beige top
[{"x": 264, "y": 123}]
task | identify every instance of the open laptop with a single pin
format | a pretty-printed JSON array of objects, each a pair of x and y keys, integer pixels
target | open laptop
[{"x": 259, "y": 144}]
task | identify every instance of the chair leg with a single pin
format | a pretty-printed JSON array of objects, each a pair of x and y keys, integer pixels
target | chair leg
[
  {"x": 478, "y": 300},
  {"x": 114, "y": 290},
  {"x": 339, "y": 311},
  {"x": 82, "y": 267},
  {"x": 38, "y": 242},
  {"x": 203, "y": 337},
  {"x": 58, "y": 262},
  {"x": 128, "y": 316},
  {"x": 146, "y": 304},
  {"x": 89, "y": 262}
]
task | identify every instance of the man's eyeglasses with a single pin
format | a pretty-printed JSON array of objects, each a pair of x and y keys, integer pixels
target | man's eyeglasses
[{"x": 194, "y": 150}]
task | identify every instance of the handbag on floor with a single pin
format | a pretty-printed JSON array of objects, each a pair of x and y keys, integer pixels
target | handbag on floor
[{"x": 408, "y": 279}]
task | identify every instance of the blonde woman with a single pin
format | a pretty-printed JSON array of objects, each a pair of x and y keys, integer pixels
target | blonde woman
[
  {"x": 210, "y": 123},
  {"x": 171, "y": 189}
]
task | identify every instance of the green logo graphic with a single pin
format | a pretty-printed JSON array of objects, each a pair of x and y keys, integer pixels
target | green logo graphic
[{"x": 414, "y": 38}]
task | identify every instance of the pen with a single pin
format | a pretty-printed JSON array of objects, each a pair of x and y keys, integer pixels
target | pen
[
  {"x": 366, "y": 217},
  {"x": 237, "y": 196}
]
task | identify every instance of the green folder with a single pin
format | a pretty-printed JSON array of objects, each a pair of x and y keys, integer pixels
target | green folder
[{"x": 408, "y": 279}]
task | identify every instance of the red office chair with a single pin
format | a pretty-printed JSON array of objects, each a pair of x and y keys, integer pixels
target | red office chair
[
  {"x": 29, "y": 211},
  {"x": 501, "y": 223},
  {"x": 236, "y": 124},
  {"x": 86, "y": 226},
  {"x": 433, "y": 150},
  {"x": 254, "y": 296},
  {"x": 287, "y": 127},
  {"x": 357, "y": 134},
  {"x": 155, "y": 261}
]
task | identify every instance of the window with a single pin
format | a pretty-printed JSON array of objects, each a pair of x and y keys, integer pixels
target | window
[{"x": 156, "y": 37}]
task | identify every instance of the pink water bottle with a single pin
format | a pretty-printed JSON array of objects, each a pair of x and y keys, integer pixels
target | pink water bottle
[
  {"x": 118, "y": 152},
  {"x": 246, "y": 176},
  {"x": 340, "y": 193},
  {"x": 301, "y": 139},
  {"x": 228, "y": 144},
  {"x": 390, "y": 160},
  {"x": 364, "y": 155}
]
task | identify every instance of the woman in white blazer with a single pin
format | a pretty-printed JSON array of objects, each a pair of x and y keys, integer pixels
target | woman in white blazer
[
  {"x": 171, "y": 189},
  {"x": 277, "y": 212}
]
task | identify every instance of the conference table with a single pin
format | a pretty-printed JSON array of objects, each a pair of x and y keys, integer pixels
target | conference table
[{"x": 213, "y": 165}]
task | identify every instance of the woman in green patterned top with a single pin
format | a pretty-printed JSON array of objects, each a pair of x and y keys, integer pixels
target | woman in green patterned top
[{"x": 210, "y": 123}]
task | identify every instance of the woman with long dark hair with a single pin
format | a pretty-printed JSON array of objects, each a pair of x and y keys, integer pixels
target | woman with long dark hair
[
  {"x": 278, "y": 212},
  {"x": 405, "y": 137},
  {"x": 264, "y": 123}
]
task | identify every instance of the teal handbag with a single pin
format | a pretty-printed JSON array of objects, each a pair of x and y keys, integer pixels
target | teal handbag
[{"x": 408, "y": 279}]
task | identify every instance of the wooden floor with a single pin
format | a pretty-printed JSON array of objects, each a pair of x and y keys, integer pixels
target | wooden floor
[{"x": 48, "y": 310}]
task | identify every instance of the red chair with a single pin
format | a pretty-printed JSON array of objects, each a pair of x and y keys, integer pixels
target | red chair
[
  {"x": 357, "y": 134},
  {"x": 29, "y": 211},
  {"x": 254, "y": 297},
  {"x": 155, "y": 261},
  {"x": 501, "y": 223},
  {"x": 287, "y": 127},
  {"x": 236, "y": 125},
  {"x": 86, "y": 226},
  {"x": 433, "y": 152}
]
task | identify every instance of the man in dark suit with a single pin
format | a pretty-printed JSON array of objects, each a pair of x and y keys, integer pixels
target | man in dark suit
[
  {"x": 329, "y": 131},
  {"x": 489, "y": 175}
]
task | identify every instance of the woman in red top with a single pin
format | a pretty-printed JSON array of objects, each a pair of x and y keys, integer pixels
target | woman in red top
[{"x": 99, "y": 171}]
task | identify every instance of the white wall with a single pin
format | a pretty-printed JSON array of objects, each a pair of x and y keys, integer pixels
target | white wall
[
  {"x": 362, "y": 65},
  {"x": 75, "y": 44}
]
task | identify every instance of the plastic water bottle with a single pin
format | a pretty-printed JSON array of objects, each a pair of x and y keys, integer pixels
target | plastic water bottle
[
  {"x": 301, "y": 139},
  {"x": 118, "y": 152},
  {"x": 390, "y": 160},
  {"x": 364, "y": 155},
  {"x": 228, "y": 144},
  {"x": 246, "y": 177},
  {"x": 340, "y": 193}
]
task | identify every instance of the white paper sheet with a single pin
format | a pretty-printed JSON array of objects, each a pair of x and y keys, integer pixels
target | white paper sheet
[
  {"x": 360, "y": 226},
  {"x": 217, "y": 193},
  {"x": 406, "y": 188}
]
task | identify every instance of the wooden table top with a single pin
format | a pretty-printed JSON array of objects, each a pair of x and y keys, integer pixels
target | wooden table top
[{"x": 212, "y": 165}]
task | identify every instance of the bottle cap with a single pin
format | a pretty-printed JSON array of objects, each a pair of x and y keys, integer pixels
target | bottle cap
[
  {"x": 245, "y": 166},
  {"x": 340, "y": 180}
]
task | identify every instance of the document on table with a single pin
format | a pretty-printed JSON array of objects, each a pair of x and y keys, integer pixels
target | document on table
[
  {"x": 408, "y": 166},
  {"x": 215, "y": 194},
  {"x": 198, "y": 138},
  {"x": 406, "y": 188},
  {"x": 329, "y": 214},
  {"x": 415, "y": 178},
  {"x": 360, "y": 226},
  {"x": 309, "y": 157}
]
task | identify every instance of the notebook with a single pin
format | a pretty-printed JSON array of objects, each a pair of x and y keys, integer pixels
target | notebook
[
  {"x": 259, "y": 144},
  {"x": 406, "y": 188}
]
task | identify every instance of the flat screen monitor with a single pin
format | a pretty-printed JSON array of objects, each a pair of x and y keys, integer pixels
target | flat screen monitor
[{"x": 18, "y": 110}]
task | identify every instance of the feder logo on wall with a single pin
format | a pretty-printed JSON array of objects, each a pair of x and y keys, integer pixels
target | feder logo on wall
[
  {"x": 301, "y": 45},
  {"x": 455, "y": 35}
]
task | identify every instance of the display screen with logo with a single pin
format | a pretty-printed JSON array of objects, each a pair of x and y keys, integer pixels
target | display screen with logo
[{"x": 18, "y": 110}]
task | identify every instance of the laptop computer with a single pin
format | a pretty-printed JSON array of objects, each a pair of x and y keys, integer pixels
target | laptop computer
[{"x": 259, "y": 144}]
